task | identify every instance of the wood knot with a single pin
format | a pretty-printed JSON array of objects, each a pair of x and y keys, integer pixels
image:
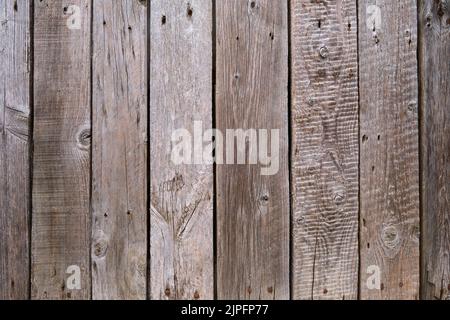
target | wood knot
[
  {"x": 323, "y": 52},
  {"x": 300, "y": 221},
  {"x": 100, "y": 248},
  {"x": 265, "y": 200},
  {"x": 390, "y": 237},
  {"x": 339, "y": 199},
  {"x": 100, "y": 244},
  {"x": 84, "y": 138}
]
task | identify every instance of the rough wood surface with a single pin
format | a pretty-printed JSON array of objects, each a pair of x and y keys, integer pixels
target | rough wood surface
[
  {"x": 181, "y": 225},
  {"x": 15, "y": 69},
  {"x": 434, "y": 23},
  {"x": 119, "y": 152},
  {"x": 324, "y": 149},
  {"x": 60, "y": 214},
  {"x": 389, "y": 197},
  {"x": 251, "y": 93}
]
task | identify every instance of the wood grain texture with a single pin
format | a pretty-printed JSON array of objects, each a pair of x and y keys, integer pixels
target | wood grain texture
[
  {"x": 181, "y": 195},
  {"x": 251, "y": 93},
  {"x": 434, "y": 24},
  {"x": 15, "y": 140},
  {"x": 325, "y": 149},
  {"x": 389, "y": 198},
  {"x": 61, "y": 163},
  {"x": 119, "y": 153}
]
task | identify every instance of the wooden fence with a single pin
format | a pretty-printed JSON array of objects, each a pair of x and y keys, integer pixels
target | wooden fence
[{"x": 92, "y": 205}]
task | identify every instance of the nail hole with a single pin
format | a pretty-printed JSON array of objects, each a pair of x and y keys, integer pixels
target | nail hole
[
  {"x": 365, "y": 138},
  {"x": 190, "y": 12},
  {"x": 196, "y": 295}
]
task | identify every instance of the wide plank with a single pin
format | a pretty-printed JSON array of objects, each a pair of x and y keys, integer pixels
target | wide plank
[
  {"x": 325, "y": 174},
  {"x": 389, "y": 150},
  {"x": 15, "y": 75},
  {"x": 61, "y": 163},
  {"x": 181, "y": 225},
  {"x": 119, "y": 150},
  {"x": 252, "y": 196}
]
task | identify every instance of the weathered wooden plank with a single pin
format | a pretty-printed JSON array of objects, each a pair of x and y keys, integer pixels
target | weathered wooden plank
[
  {"x": 119, "y": 150},
  {"x": 181, "y": 195},
  {"x": 434, "y": 27},
  {"x": 14, "y": 148},
  {"x": 61, "y": 163},
  {"x": 251, "y": 93},
  {"x": 325, "y": 149},
  {"x": 389, "y": 198}
]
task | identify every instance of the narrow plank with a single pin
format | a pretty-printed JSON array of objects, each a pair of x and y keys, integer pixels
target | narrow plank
[
  {"x": 119, "y": 150},
  {"x": 251, "y": 93},
  {"x": 390, "y": 223},
  {"x": 434, "y": 27},
  {"x": 15, "y": 52},
  {"x": 325, "y": 172},
  {"x": 61, "y": 163},
  {"x": 181, "y": 245}
]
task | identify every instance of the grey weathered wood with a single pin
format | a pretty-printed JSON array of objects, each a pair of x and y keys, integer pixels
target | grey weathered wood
[
  {"x": 324, "y": 149},
  {"x": 251, "y": 93},
  {"x": 15, "y": 69},
  {"x": 389, "y": 197},
  {"x": 60, "y": 213},
  {"x": 434, "y": 24},
  {"x": 181, "y": 195},
  {"x": 119, "y": 150}
]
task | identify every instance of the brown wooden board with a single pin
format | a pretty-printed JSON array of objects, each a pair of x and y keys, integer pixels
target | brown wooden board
[
  {"x": 434, "y": 26},
  {"x": 61, "y": 162},
  {"x": 181, "y": 225},
  {"x": 15, "y": 75},
  {"x": 251, "y": 93},
  {"x": 119, "y": 152},
  {"x": 324, "y": 147},
  {"x": 389, "y": 153}
]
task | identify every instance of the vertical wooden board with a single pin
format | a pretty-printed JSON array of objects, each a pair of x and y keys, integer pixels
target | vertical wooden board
[
  {"x": 14, "y": 148},
  {"x": 181, "y": 226},
  {"x": 325, "y": 149},
  {"x": 61, "y": 162},
  {"x": 119, "y": 153},
  {"x": 251, "y": 93},
  {"x": 390, "y": 223},
  {"x": 434, "y": 24}
]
